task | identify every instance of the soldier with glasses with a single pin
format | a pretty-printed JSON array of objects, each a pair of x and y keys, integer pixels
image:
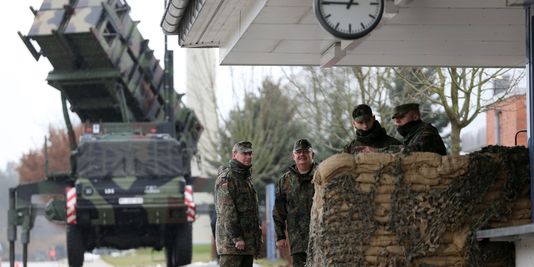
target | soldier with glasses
[{"x": 294, "y": 198}]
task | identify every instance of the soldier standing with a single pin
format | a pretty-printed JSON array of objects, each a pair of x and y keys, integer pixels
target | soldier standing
[
  {"x": 369, "y": 133},
  {"x": 418, "y": 135},
  {"x": 294, "y": 198},
  {"x": 237, "y": 230}
]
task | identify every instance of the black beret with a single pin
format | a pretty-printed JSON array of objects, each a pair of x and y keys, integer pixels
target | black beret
[
  {"x": 401, "y": 110},
  {"x": 302, "y": 144},
  {"x": 362, "y": 113}
]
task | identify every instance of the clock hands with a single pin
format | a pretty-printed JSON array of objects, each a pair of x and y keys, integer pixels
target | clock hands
[
  {"x": 351, "y": 2},
  {"x": 348, "y": 4}
]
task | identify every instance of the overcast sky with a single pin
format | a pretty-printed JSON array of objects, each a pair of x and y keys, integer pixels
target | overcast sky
[{"x": 27, "y": 104}]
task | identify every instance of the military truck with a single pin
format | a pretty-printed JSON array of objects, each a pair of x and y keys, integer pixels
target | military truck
[{"x": 130, "y": 180}]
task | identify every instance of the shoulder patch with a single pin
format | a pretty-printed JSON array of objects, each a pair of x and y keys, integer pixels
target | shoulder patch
[
  {"x": 222, "y": 183},
  {"x": 222, "y": 176}
]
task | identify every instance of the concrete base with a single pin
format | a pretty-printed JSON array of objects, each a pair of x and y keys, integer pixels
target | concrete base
[
  {"x": 524, "y": 252},
  {"x": 523, "y": 238}
]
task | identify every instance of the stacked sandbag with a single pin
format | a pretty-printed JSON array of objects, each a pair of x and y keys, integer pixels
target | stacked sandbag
[{"x": 381, "y": 209}]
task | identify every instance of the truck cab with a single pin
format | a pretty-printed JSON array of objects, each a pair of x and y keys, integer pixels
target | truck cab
[{"x": 129, "y": 192}]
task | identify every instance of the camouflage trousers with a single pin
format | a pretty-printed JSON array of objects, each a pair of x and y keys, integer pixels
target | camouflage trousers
[
  {"x": 229, "y": 260},
  {"x": 299, "y": 259}
]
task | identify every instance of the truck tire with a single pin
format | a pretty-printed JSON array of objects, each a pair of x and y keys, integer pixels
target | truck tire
[
  {"x": 75, "y": 246},
  {"x": 179, "y": 251}
]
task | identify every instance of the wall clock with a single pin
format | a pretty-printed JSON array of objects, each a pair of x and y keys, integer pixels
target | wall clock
[{"x": 349, "y": 19}]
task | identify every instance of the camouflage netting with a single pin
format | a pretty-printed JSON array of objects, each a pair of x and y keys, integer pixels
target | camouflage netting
[
  {"x": 141, "y": 157},
  {"x": 417, "y": 210}
]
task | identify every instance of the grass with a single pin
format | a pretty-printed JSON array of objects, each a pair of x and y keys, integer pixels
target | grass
[
  {"x": 268, "y": 263},
  {"x": 140, "y": 257},
  {"x": 202, "y": 253},
  {"x": 149, "y": 257}
]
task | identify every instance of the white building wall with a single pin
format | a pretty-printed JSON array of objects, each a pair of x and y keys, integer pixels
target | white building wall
[
  {"x": 201, "y": 68},
  {"x": 201, "y": 87}
]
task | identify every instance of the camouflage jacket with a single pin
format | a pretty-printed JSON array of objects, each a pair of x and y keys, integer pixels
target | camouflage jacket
[
  {"x": 236, "y": 205},
  {"x": 294, "y": 198},
  {"x": 422, "y": 137},
  {"x": 376, "y": 137}
]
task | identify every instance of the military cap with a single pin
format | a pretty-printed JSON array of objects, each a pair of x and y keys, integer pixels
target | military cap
[
  {"x": 401, "y": 110},
  {"x": 302, "y": 144},
  {"x": 362, "y": 113},
  {"x": 243, "y": 146}
]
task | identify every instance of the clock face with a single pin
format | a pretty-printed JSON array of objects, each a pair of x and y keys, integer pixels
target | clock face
[{"x": 349, "y": 19}]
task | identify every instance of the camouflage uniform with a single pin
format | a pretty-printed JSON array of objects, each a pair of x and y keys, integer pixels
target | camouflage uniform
[
  {"x": 375, "y": 137},
  {"x": 294, "y": 198},
  {"x": 422, "y": 137},
  {"x": 418, "y": 136},
  {"x": 236, "y": 204},
  {"x": 231, "y": 260}
]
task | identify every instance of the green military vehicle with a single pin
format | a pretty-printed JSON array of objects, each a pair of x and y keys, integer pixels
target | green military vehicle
[{"x": 130, "y": 180}]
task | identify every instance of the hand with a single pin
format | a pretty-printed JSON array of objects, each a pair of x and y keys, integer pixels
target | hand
[
  {"x": 240, "y": 245},
  {"x": 363, "y": 149},
  {"x": 282, "y": 243},
  {"x": 367, "y": 149}
]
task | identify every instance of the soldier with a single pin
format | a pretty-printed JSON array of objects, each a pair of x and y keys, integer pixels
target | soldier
[
  {"x": 294, "y": 197},
  {"x": 237, "y": 230},
  {"x": 369, "y": 133},
  {"x": 418, "y": 135}
]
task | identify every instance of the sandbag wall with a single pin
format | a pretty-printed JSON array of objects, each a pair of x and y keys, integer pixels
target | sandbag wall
[{"x": 421, "y": 209}]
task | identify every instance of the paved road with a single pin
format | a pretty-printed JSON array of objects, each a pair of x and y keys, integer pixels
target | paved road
[
  {"x": 96, "y": 263},
  {"x": 99, "y": 263},
  {"x": 93, "y": 263}
]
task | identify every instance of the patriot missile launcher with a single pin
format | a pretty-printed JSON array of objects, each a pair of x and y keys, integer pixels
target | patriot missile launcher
[{"x": 130, "y": 180}]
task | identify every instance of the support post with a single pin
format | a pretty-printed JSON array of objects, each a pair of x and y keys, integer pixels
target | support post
[
  {"x": 12, "y": 226},
  {"x": 270, "y": 235},
  {"x": 529, "y": 21},
  {"x": 27, "y": 225}
]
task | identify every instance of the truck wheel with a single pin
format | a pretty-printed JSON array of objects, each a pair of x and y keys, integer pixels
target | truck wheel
[
  {"x": 180, "y": 250},
  {"x": 169, "y": 255},
  {"x": 75, "y": 246}
]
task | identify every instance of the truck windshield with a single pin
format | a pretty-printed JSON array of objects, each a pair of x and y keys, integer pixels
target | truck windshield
[{"x": 139, "y": 157}]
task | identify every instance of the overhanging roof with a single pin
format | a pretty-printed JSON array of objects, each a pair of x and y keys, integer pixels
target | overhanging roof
[{"x": 486, "y": 33}]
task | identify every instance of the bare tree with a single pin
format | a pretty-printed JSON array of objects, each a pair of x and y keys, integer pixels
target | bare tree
[
  {"x": 327, "y": 97},
  {"x": 463, "y": 93}
]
